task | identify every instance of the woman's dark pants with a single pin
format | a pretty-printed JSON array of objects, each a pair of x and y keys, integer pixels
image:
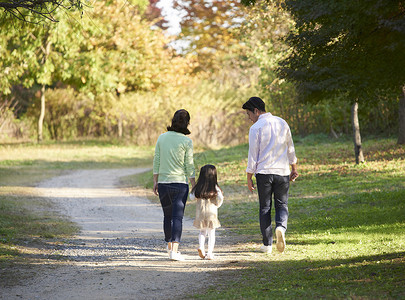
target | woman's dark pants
[
  {"x": 173, "y": 198},
  {"x": 269, "y": 185}
]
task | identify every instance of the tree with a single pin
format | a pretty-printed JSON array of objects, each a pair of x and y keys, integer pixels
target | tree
[
  {"x": 112, "y": 51},
  {"x": 356, "y": 48},
  {"x": 208, "y": 29},
  {"x": 266, "y": 24},
  {"x": 351, "y": 48},
  {"x": 121, "y": 54},
  {"x": 154, "y": 14},
  {"x": 40, "y": 56},
  {"x": 37, "y": 10}
]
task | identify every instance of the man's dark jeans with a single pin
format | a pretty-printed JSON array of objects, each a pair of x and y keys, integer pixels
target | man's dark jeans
[
  {"x": 269, "y": 185},
  {"x": 173, "y": 198}
]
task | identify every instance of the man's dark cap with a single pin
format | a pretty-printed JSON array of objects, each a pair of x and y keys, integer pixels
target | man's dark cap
[{"x": 254, "y": 102}]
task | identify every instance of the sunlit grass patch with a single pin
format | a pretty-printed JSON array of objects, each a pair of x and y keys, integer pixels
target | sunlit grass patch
[{"x": 29, "y": 164}]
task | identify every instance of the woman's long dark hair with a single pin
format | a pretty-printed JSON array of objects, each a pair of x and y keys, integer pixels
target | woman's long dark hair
[
  {"x": 180, "y": 121},
  {"x": 206, "y": 184}
]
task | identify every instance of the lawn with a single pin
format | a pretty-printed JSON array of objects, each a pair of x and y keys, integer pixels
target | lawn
[{"x": 346, "y": 234}]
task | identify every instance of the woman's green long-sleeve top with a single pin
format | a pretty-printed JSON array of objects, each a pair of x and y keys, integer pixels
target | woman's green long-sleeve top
[{"x": 173, "y": 160}]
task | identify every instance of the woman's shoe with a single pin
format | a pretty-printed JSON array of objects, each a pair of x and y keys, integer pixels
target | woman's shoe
[
  {"x": 266, "y": 249},
  {"x": 176, "y": 256},
  {"x": 168, "y": 247},
  {"x": 201, "y": 253}
]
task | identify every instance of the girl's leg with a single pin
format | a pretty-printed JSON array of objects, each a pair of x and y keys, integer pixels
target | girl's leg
[
  {"x": 201, "y": 242},
  {"x": 201, "y": 238},
  {"x": 211, "y": 243}
]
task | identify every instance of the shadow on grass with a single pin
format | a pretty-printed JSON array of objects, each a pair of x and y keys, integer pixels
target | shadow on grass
[{"x": 370, "y": 277}]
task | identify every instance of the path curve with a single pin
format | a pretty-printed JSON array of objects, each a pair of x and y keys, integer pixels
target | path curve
[{"x": 119, "y": 252}]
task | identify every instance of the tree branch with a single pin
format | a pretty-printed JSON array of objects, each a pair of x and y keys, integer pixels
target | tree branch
[{"x": 42, "y": 9}]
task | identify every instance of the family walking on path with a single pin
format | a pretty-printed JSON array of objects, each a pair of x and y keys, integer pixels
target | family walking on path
[{"x": 271, "y": 153}]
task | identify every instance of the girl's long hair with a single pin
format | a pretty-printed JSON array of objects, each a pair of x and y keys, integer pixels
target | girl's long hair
[{"x": 205, "y": 187}]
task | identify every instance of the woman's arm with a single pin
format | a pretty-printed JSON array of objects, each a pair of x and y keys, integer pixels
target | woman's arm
[{"x": 155, "y": 184}]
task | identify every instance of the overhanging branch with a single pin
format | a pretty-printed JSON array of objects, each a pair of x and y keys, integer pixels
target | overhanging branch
[{"x": 37, "y": 9}]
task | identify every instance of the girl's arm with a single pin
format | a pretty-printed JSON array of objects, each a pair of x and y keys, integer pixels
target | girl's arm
[{"x": 220, "y": 197}]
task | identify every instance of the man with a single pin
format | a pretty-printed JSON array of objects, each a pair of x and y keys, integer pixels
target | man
[{"x": 271, "y": 153}]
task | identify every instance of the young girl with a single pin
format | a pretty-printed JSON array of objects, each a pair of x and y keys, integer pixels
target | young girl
[{"x": 209, "y": 198}]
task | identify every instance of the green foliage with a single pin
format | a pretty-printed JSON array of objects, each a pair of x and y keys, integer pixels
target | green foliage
[
  {"x": 35, "y": 12},
  {"x": 208, "y": 30},
  {"x": 105, "y": 69},
  {"x": 350, "y": 48},
  {"x": 120, "y": 53}
]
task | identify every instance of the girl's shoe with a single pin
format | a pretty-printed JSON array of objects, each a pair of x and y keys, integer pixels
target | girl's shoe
[
  {"x": 209, "y": 256},
  {"x": 201, "y": 253},
  {"x": 176, "y": 256}
]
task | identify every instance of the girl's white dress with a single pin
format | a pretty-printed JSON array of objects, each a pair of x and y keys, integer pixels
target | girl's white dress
[{"x": 206, "y": 215}]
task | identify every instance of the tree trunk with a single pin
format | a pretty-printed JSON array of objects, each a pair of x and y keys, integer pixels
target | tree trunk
[
  {"x": 401, "y": 133},
  {"x": 358, "y": 152},
  {"x": 42, "y": 114},
  {"x": 46, "y": 52},
  {"x": 120, "y": 126}
]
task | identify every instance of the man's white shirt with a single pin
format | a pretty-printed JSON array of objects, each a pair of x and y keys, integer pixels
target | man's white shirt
[{"x": 271, "y": 148}]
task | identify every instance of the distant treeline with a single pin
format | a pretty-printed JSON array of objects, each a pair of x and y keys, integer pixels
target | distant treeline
[{"x": 216, "y": 115}]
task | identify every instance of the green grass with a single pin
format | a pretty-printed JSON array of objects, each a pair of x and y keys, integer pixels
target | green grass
[
  {"x": 346, "y": 235},
  {"x": 28, "y": 164},
  {"x": 25, "y": 219}
]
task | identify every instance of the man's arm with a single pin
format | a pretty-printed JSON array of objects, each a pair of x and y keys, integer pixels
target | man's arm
[
  {"x": 294, "y": 174},
  {"x": 250, "y": 184}
]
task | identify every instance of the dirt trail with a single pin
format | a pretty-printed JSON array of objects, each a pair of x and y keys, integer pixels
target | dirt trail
[{"x": 119, "y": 252}]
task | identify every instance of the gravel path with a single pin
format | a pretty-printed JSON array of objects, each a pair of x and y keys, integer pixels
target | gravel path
[{"x": 119, "y": 252}]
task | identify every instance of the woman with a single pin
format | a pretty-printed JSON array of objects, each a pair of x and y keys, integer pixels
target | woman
[{"x": 172, "y": 165}]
